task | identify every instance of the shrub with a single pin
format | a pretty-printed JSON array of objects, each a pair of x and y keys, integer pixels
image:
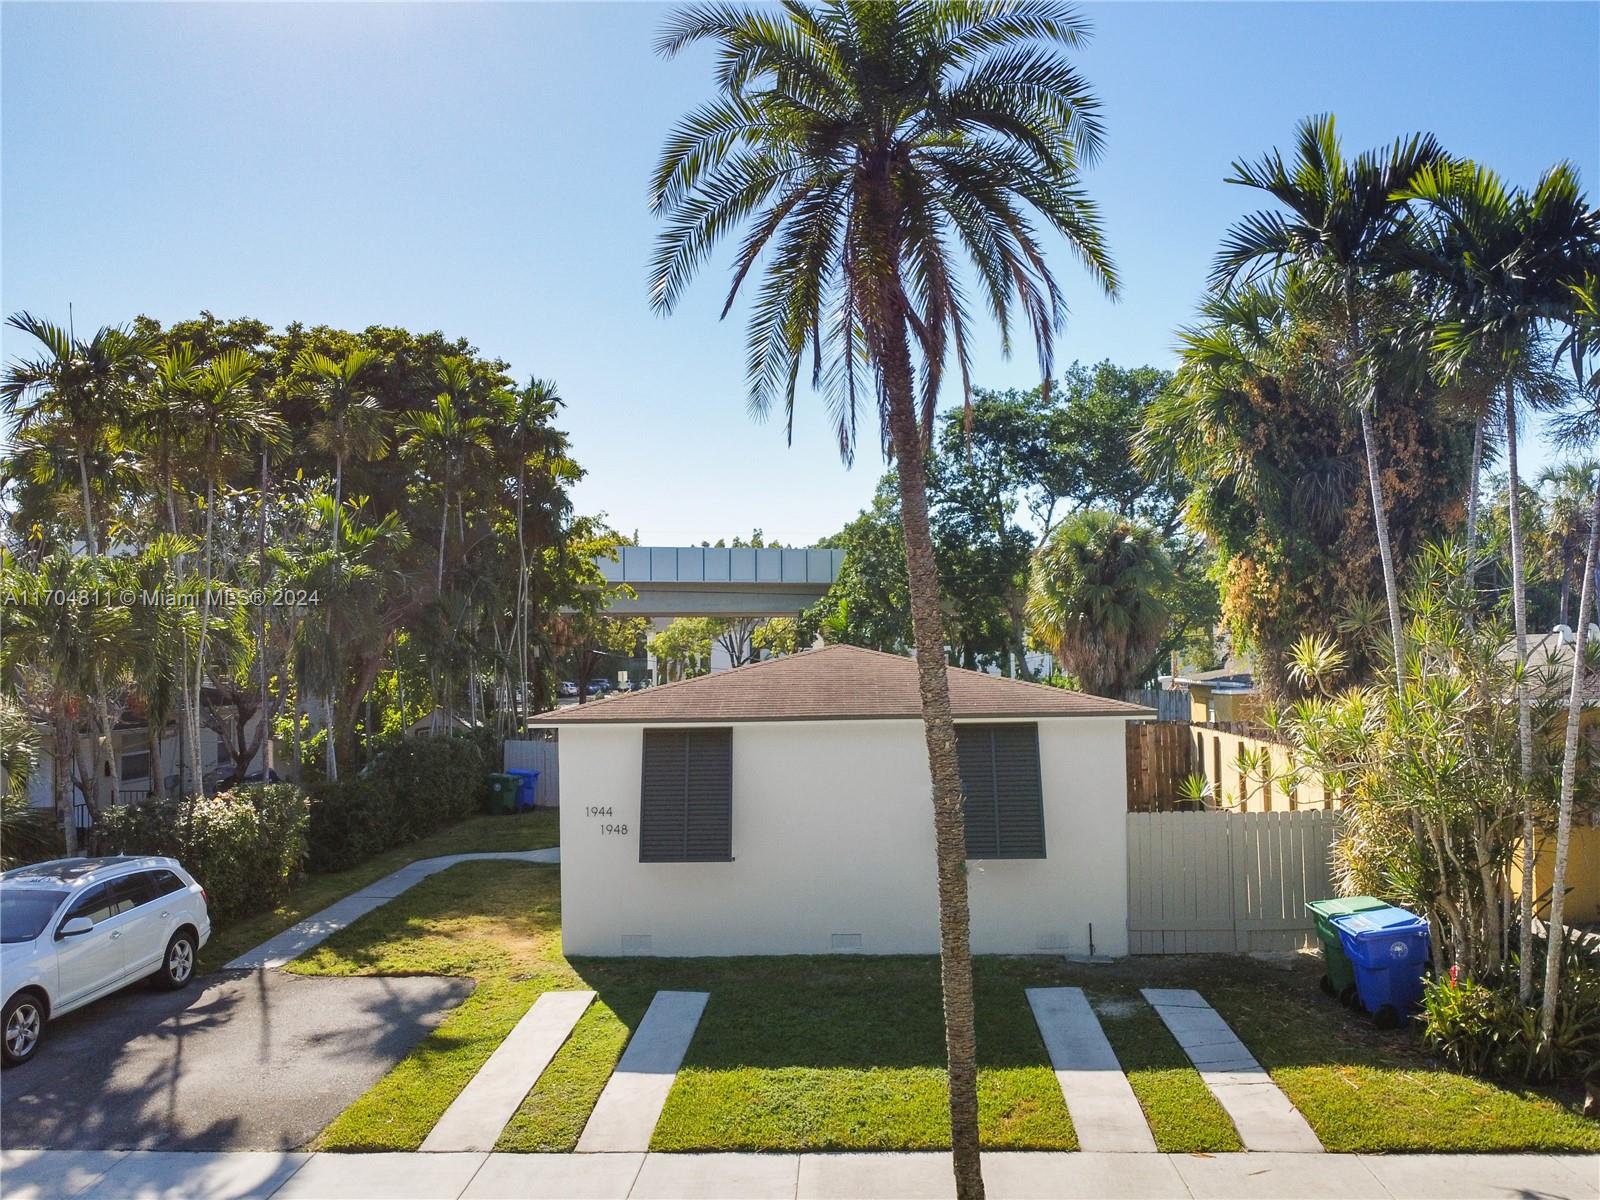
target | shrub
[
  {"x": 411, "y": 789},
  {"x": 246, "y": 847},
  {"x": 1480, "y": 1027}
]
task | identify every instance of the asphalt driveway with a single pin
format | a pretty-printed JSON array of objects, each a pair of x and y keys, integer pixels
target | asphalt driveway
[{"x": 242, "y": 1060}]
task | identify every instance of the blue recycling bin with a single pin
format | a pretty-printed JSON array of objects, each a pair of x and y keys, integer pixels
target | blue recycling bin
[
  {"x": 1388, "y": 949},
  {"x": 527, "y": 788}
]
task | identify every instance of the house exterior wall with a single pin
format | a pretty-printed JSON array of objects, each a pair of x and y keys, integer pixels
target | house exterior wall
[{"x": 833, "y": 848}]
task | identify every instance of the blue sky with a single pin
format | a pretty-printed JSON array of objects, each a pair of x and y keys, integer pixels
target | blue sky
[{"x": 482, "y": 169}]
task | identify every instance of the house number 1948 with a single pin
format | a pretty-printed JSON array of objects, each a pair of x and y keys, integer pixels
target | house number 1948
[{"x": 617, "y": 829}]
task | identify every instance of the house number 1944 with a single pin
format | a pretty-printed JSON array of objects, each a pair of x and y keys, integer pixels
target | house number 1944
[{"x": 598, "y": 810}]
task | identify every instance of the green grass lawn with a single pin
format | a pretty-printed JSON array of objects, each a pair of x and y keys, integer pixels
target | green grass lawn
[
  {"x": 521, "y": 831},
  {"x": 845, "y": 1052}
]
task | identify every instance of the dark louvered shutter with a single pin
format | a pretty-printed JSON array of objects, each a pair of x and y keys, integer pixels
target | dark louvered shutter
[
  {"x": 686, "y": 796},
  {"x": 1004, "y": 797},
  {"x": 975, "y": 749},
  {"x": 709, "y": 837}
]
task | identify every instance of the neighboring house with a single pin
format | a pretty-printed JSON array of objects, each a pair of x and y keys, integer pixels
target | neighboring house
[
  {"x": 783, "y": 808},
  {"x": 136, "y": 767},
  {"x": 1228, "y": 694}
]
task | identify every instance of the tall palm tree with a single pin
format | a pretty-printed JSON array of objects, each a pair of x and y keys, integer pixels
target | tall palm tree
[
  {"x": 88, "y": 387},
  {"x": 82, "y": 390},
  {"x": 1339, "y": 227},
  {"x": 876, "y": 152},
  {"x": 1095, "y": 598},
  {"x": 225, "y": 414},
  {"x": 1500, "y": 257},
  {"x": 447, "y": 439},
  {"x": 351, "y": 421},
  {"x": 534, "y": 407},
  {"x": 1570, "y": 486},
  {"x": 1582, "y": 428}
]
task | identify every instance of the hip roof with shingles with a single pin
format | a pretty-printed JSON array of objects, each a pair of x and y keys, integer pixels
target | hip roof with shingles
[{"x": 832, "y": 684}]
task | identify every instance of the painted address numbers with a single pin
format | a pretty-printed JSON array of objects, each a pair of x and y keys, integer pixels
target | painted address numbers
[{"x": 606, "y": 827}]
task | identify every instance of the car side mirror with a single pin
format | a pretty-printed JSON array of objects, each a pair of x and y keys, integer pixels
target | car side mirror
[{"x": 75, "y": 926}]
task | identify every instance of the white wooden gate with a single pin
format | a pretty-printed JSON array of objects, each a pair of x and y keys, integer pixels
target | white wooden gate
[
  {"x": 537, "y": 754},
  {"x": 1209, "y": 883}
]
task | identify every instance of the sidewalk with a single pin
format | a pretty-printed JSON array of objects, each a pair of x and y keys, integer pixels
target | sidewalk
[{"x": 137, "y": 1175}]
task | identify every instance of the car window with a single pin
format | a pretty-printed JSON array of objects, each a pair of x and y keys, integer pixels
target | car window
[
  {"x": 165, "y": 882},
  {"x": 133, "y": 890},
  {"x": 24, "y": 912},
  {"x": 97, "y": 904}
]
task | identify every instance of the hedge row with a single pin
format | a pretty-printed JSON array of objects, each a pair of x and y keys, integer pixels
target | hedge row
[
  {"x": 246, "y": 847},
  {"x": 411, "y": 789}
]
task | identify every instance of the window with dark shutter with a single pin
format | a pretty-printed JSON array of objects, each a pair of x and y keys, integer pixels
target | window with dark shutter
[
  {"x": 1003, "y": 798},
  {"x": 686, "y": 796}
]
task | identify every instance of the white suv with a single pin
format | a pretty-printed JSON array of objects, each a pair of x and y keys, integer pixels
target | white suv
[{"x": 76, "y": 929}]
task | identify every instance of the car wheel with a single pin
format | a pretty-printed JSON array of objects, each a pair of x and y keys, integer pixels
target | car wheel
[
  {"x": 177, "y": 965},
  {"x": 23, "y": 1022}
]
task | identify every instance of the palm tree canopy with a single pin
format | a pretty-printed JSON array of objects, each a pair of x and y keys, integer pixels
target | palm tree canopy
[
  {"x": 1339, "y": 216},
  {"x": 352, "y": 424},
  {"x": 1096, "y": 598},
  {"x": 1497, "y": 258},
  {"x": 880, "y": 153}
]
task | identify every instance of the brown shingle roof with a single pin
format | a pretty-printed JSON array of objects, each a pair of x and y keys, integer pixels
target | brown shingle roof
[{"x": 834, "y": 683}]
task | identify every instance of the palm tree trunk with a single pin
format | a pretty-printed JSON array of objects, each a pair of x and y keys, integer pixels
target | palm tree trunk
[
  {"x": 261, "y": 634},
  {"x": 1472, "y": 498},
  {"x": 200, "y": 653},
  {"x": 1519, "y": 610},
  {"x": 1569, "y": 773},
  {"x": 61, "y": 776},
  {"x": 927, "y": 625},
  {"x": 1380, "y": 520},
  {"x": 91, "y": 539},
  {"x": 444, "y": 526}
]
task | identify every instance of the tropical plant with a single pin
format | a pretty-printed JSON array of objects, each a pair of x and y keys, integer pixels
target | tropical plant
[
  {"x": 868, "y": 146},
  {"x": 1339, "y": 233},
  {"x": 351, "y": 421},
  {"x": 1499, "y": 258},
  {"x": 27, "y": 834},
  {"x": 1095, "y": 599}
]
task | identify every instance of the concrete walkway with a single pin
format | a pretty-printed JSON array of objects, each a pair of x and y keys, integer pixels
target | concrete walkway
[
  {"x": 100, "y": 1175},
  {"x": 1259, "y": 1110},
  {"x": 626, "y": 1114},
  {"x": 1105, "y": 1113},
  {"x": 318, "y": 927},
  {"x": 477, "y": 1116}
]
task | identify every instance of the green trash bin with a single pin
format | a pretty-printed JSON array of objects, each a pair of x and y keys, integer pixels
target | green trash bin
[
  {"x": 503, "y": 794},
  {"x": 1339, "y": 977}
]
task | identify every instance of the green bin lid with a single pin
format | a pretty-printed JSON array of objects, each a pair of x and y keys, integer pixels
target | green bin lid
[{"x": 1342, "y": 905}]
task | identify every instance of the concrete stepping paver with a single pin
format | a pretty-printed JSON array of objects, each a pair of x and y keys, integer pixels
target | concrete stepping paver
[
  {"x": 1105, "y": 1112},
  {"x": 1259, "y": 1110},
  {"x": 477, "y": 1116},
  {"x": 320, "y": 926},
  {"x": 630, "y": 1105}
]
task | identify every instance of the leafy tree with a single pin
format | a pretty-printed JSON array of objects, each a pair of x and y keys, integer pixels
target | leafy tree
[
  {"x": 1096, "y": 599},
  {"x": 683, "y": 648},
  {"x": 866, "y": 145}
]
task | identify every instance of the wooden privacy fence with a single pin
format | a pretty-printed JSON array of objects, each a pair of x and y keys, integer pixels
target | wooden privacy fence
[
  {"x": 537, "y": 754},
  {"x": 1225, "y": 883},
  {"x": 1247, "y": 771}
]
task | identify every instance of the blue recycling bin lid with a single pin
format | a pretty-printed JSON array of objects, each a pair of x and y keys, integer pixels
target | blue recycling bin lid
[{"x": 1382, "y": 936}]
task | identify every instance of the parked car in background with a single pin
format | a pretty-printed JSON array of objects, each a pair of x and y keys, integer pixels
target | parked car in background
[
  {"x": 599, "y": 687},
  {"x": 76, "y": 929},
  {"x": 567, "y": 690}
]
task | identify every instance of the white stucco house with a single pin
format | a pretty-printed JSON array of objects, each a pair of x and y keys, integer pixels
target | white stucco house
[{"x": 783, "y": 808}]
